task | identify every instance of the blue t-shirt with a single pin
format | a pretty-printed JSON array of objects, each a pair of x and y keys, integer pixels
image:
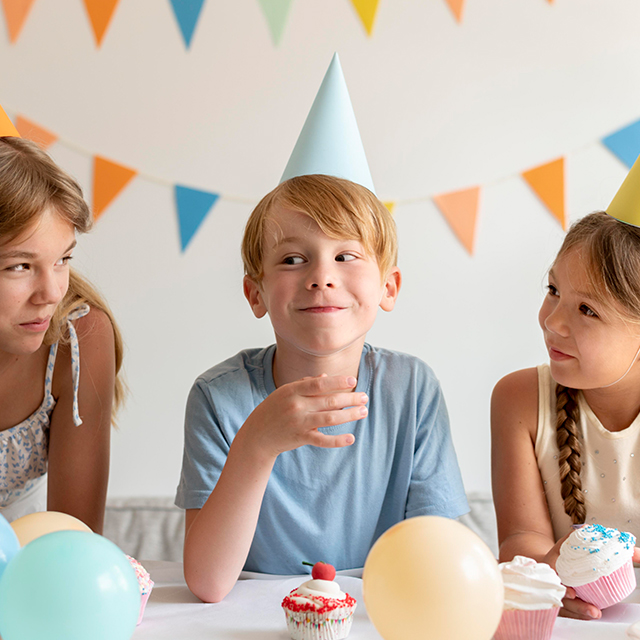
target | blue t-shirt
[{"x": 329, "y": 504}]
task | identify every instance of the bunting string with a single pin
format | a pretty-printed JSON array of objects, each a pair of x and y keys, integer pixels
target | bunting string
[
  {"x": 187, "y": 13},
  {"x": 460, "y": 208}
]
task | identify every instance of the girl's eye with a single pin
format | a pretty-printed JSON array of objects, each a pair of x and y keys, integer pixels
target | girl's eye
[
  {"x": 18, "y": 268},
  {"x": 551, "y": 290},
  {"x": 587, "y": 311},
  {"x": 64, "y": 261},
  {"x": 345, "y": 257},
  {"x": 293, "y": 260}
]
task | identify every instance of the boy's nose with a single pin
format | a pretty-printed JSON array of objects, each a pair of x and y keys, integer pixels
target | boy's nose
[{"x": 315, "y": 285}]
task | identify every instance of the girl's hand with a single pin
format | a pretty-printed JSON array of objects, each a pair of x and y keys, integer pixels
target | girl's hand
[
  {"x": 573, "y": 607},
  {"x": 293, "y": 414}
]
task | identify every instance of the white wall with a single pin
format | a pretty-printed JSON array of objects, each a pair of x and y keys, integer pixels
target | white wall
[{"x": 441, "y": 106}]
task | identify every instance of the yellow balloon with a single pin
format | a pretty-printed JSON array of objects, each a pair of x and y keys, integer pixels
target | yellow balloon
[
  {"x": 34, "y": 525},
  {"x": 433, "y": 578}
]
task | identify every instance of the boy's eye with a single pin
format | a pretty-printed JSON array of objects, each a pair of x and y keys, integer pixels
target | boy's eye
[
  {"x": 551, "y": 290},
  {"x": 345, "y": 257},
  {"x": 293, "y": 260}
]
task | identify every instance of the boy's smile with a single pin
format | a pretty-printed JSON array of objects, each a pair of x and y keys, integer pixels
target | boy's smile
[{"x": 321, "y": 293}]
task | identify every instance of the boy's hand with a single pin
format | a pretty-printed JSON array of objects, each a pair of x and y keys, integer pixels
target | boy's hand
[{"x": 291, "y": 416}]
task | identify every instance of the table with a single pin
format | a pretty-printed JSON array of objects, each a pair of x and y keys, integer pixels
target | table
[{"x": 252, "y": 611}]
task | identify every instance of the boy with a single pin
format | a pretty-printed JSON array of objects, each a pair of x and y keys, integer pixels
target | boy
[{"x": 320, "y": 258}]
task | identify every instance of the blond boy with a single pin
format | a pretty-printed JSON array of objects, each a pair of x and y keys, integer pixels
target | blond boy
[{"x": 311, "y": 448}]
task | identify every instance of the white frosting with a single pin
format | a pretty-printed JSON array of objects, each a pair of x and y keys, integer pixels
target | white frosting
[
  {"x": 312, "y": 589},
  {"x": 530, "y": 585},
  {"x": 591, "y": 552}
]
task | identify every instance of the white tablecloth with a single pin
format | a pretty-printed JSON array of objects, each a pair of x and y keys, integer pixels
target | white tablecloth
[{"x": 252, "y": 611}]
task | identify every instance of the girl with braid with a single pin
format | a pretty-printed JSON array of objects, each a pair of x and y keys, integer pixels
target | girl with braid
[{"x": 566, "y": 435}]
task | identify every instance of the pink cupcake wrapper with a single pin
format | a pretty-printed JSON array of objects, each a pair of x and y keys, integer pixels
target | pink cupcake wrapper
[
  {"x": 143, "y": 603},
  {"x": 608, "y": 590},
  {"x": 520, "y": 624}
]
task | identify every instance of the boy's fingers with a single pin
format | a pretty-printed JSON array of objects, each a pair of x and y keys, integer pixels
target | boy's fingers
[
  {"x": 318, "y": 439},
  {"x": 325, "y": 384},
  {"x": 321, "y": 419},
  {"x": 334, "y": 401}
]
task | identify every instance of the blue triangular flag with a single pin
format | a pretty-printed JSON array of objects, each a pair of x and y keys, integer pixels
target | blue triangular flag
[
  {"x": 193, "y": 207},
  {"x": 187, "y": 13},
  {"x": 625, "y": 143}
]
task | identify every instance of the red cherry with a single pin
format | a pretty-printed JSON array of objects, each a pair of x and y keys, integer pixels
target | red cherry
[{"x": 323, "y": 571}]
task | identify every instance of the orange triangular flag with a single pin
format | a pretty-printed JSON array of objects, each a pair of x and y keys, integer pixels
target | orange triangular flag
[
  {"x": 390, "y": 205},
  {"x": 367, "y": 11},
  {"x": 547, "y": 181},
  {"x": 456, "y": 6},
  {"x": 15, "y": 14},
  {"x": 460, "y": 209},
  {"x": 32, "y": 131},
  {"x": 6, "y": 126},
  {"x": 109, "y": 179},
  {"x": 100, "y": 14}
]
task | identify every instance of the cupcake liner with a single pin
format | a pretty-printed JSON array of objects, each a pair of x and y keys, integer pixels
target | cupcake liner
[
  {"x": 307, "y": 625},
  {"x": 143, "y": 602},
  {"x": 608, "y": 590},
  {"x": 520, "y": 624}
]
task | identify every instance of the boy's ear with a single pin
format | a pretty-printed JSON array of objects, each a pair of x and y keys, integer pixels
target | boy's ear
[
  {"x": 254, "y": 296},
  {"x": 392, "y": 284}
]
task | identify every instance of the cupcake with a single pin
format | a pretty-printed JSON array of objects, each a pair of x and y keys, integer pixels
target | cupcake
[
  {"x": 597, "y": 562},
  {"x": 318, "y": 609},
  {"x": 532, "y": 598},
  {"x": 144, "y": 582}
]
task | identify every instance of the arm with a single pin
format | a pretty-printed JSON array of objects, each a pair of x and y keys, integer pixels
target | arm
[
  {"x": 79, "y": 456},
  {"x": 219, "y": 535},
  {"x": 524, "y": 524}
]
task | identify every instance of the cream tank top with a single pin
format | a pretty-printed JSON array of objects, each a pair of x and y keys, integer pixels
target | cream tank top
[{"x": 610, "y": 465}]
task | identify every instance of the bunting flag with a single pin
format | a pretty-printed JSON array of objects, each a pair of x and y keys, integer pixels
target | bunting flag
[
  {"x": 276, "y": 12},
  {"x": 187, "y": 13},
  {"x": 100, "y": 14},
  {"x": 6, "y": 126},
  {"x": 193, "y": 207},
  {"x": 15, "y": 15},
  {"x": 625, "y": 143},
  {"x": 34, "y": 132},
  {"x": 456, "y": 7},
  {"x": 390, "y": 205},
  {"x": 460, "y": 210},
  {"x": 366, "y": 9},
  {"x": 547, "y": 181},
  {"x": 109, "y": 179}
]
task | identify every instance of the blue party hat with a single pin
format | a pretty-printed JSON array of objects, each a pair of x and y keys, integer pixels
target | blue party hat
[{"x": 330, "y": 142}]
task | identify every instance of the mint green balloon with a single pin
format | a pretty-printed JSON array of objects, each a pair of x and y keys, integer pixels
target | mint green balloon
[{"x": 69, "y": 585}]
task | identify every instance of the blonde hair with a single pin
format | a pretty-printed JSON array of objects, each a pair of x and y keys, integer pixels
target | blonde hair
[
  {"x": 342, "y": 209},
  {"x": 610, "y": 251},
  {"x": 31, "y": 182}
]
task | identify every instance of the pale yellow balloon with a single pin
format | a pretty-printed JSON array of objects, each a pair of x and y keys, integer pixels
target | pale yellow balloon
[
  {"x": 433, "y": 578},
  {"x": 34, "y": 525}
]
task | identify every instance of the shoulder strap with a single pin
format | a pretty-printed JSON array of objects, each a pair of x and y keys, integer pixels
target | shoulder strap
[{"x": 75, "y": 357}]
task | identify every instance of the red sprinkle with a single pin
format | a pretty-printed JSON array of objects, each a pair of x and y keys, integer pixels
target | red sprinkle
[{"x": 328, "y": 604}]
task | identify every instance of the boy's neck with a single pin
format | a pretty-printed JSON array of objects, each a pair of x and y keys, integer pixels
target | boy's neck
[{"x": 290, "y": 364}]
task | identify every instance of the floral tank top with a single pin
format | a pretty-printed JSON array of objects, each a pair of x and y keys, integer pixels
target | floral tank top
[{"x": 24, "y": 448}]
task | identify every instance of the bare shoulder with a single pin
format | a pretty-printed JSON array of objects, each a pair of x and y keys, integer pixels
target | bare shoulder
[
  {"x": 514, "y": 401},
  {"x": 95, "y": 326}
]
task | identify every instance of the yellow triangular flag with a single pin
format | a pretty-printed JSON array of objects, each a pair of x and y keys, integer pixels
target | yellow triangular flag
[
  {"x": 6, "y": 126},
  {"x": 390, "y": 205},
  {"x": 547, "y": 181},
  {"x": 32, "y": 131},
  {"x": 15, "y": 14},
  {"x": 460, "y": 210},
  {"x": 625, "y": 205},
  {"x": 456, "y": 6},
  {"x": 367, "y": 11},
  {"x": 100, "y": 14},
  {"x": 109, "y": 179}
]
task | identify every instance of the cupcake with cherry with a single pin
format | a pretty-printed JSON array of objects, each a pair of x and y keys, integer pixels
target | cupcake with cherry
[{"x": 318, "y": 609}]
